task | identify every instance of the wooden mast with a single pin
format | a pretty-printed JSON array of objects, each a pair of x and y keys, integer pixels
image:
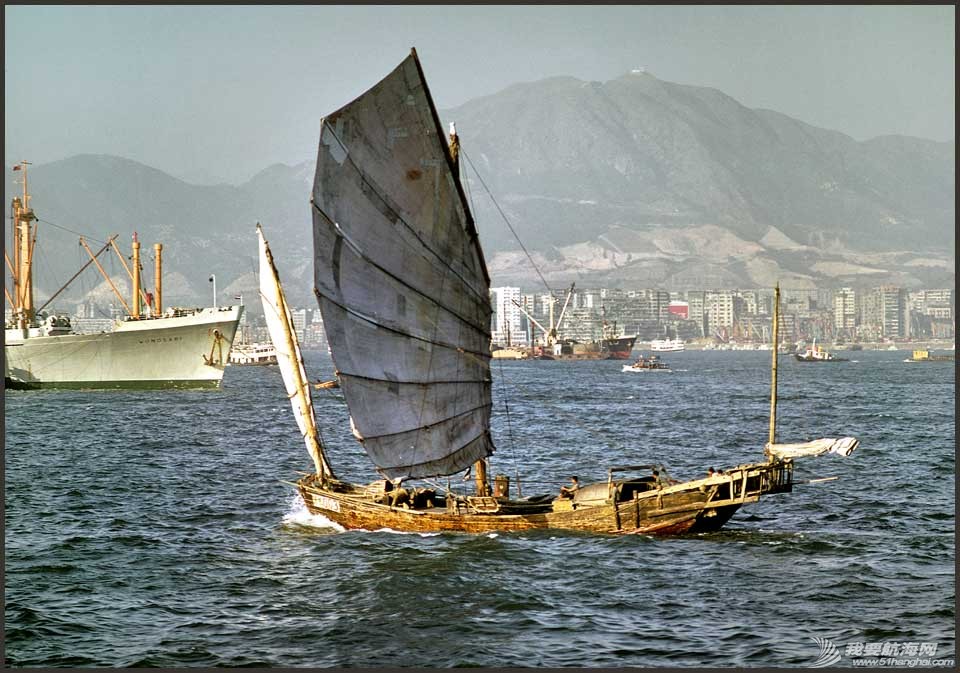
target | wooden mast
[
  {"x": 103, "y": 273},
  {"x": 302, "y": 386},
  {"x": 74, "y": 277},
  {"x": 323, "y": 467},
  {"x": 772, "y": 436}
]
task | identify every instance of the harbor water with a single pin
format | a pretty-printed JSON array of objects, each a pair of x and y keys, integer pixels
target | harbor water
[{"x": 159, "y": 528}]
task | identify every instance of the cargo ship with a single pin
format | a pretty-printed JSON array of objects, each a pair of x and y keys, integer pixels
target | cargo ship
[
  {"x": 615, "y": 348},
  {"x": 148, "y": 348},
  {"x": 609, "y": 347}
]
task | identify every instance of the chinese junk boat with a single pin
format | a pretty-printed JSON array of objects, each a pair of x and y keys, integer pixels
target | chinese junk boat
[
  {"x": 403, "y": 288},
  {"x": 650, "y": 364}
]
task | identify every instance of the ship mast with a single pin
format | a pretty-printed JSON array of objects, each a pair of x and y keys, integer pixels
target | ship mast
[
  {"x": 135, "y": 313},
  {"x": 23, "y": 230},
  {"x": 157, "y": 282},
  {"x": 771, "y": 438},
  {"x": 563, "y": 312}
]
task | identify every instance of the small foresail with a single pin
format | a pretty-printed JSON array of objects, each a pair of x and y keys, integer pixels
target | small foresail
[
  {"x": 401, "y": 282},
  {"x": 289, "y": 359},
  {"x": 843, "y": 447}
]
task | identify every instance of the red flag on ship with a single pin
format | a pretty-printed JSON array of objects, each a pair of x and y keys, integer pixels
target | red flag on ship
[{"x": 17, "y": 167}]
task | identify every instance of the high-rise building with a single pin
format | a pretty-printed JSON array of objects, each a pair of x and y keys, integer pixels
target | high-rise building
[
  {"x": 508, "y": 322},
  {"x": 893, "y": 311},
  {"x": 299, "y": 316},
  {"x": 845, "y": 311},
  {"x": 719, "y": 308}
]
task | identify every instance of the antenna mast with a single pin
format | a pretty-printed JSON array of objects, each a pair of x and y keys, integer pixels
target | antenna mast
[{"x": 771, "y": 438}]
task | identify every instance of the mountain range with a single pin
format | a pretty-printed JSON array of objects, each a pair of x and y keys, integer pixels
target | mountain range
[{"x": 634, "y": 182}]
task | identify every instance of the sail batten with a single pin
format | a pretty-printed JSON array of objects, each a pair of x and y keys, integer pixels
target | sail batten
[
  {"x": 360, "y": 377},
  {"x": 401, "y": 282},
  {"x": 388, "y": 211},
  {"x": 397, "y": 330},
  {"x": 481, "y": 329}
]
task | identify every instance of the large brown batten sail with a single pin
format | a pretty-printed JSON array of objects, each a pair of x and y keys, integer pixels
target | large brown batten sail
[{"x": 399, "y": 272}]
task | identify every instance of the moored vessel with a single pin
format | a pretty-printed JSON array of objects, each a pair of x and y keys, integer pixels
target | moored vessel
[
  {"x": 253, "y": 354},
  {"x": 149, "y": 348},
  {"x": 667, "y": 345},
  {"x": 924, "y": 355},
  {"x": 554, "y": 347}
]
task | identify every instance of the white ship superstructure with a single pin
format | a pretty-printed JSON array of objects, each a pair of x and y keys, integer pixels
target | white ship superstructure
[
  {"x": 253, "y": 354},
  {"x": 667, "y": 345}
]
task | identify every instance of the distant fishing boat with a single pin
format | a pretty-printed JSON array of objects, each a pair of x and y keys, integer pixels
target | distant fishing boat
[
  {"x": 650, "y": 364},
  {"x": 404, "y": 293},
  {"x": 149, "y": 348}
]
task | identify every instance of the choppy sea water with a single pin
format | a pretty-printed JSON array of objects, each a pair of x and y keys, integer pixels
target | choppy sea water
[{"x": 155, "y": 528}]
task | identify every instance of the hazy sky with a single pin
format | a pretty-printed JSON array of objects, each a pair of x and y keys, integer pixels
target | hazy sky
[{"x": 217, "y": 93}]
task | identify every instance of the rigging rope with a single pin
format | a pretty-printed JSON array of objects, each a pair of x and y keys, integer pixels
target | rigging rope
[
  {"x": 506, "y": 407},
  {"x": 77, "y": 233},
  {"x": 510, "y": 442},
  {"x": 450, "y": 269},
  {"x": 504, "y": 216}
]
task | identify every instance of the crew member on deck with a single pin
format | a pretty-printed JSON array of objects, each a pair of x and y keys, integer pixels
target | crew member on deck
[{"x": 571, "y": 490}]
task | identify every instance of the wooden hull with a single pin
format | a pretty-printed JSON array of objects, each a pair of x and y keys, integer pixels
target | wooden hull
[{"x": 692, "y": 507}]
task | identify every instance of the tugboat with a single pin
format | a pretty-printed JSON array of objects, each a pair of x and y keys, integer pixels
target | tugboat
[
  {"x": 816, "y": 353},
  {"x": 650, "y": 364}
]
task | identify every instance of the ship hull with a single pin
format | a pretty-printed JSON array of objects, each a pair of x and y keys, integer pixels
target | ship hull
[
  {"x": 185, "y": 351},
  {"x": 692, "y": 507},
  {"x": 805, "y": 358},
  {"x": 609, "y": 349}
]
